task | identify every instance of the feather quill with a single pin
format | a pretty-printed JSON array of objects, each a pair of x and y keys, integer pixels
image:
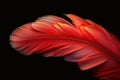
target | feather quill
[{"x": 82, "y": 41}]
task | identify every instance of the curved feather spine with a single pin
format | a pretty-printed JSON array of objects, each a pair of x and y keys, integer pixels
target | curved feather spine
[{"x": 83, "y": 42}]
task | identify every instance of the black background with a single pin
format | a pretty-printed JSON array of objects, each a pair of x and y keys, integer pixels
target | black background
[{"x": 16, "y": 13}]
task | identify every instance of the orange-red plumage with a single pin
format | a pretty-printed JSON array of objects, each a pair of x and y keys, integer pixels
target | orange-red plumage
[{"x": 83, "y": 42}]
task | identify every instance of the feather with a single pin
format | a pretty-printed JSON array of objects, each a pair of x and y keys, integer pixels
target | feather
[{"x": 82, "y": 41}]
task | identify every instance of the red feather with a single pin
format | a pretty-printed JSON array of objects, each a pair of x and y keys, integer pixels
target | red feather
[{"x": 83, "y": 42}]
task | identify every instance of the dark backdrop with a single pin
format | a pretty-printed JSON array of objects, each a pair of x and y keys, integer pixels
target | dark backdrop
[{"x": 16, "y": 13}]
